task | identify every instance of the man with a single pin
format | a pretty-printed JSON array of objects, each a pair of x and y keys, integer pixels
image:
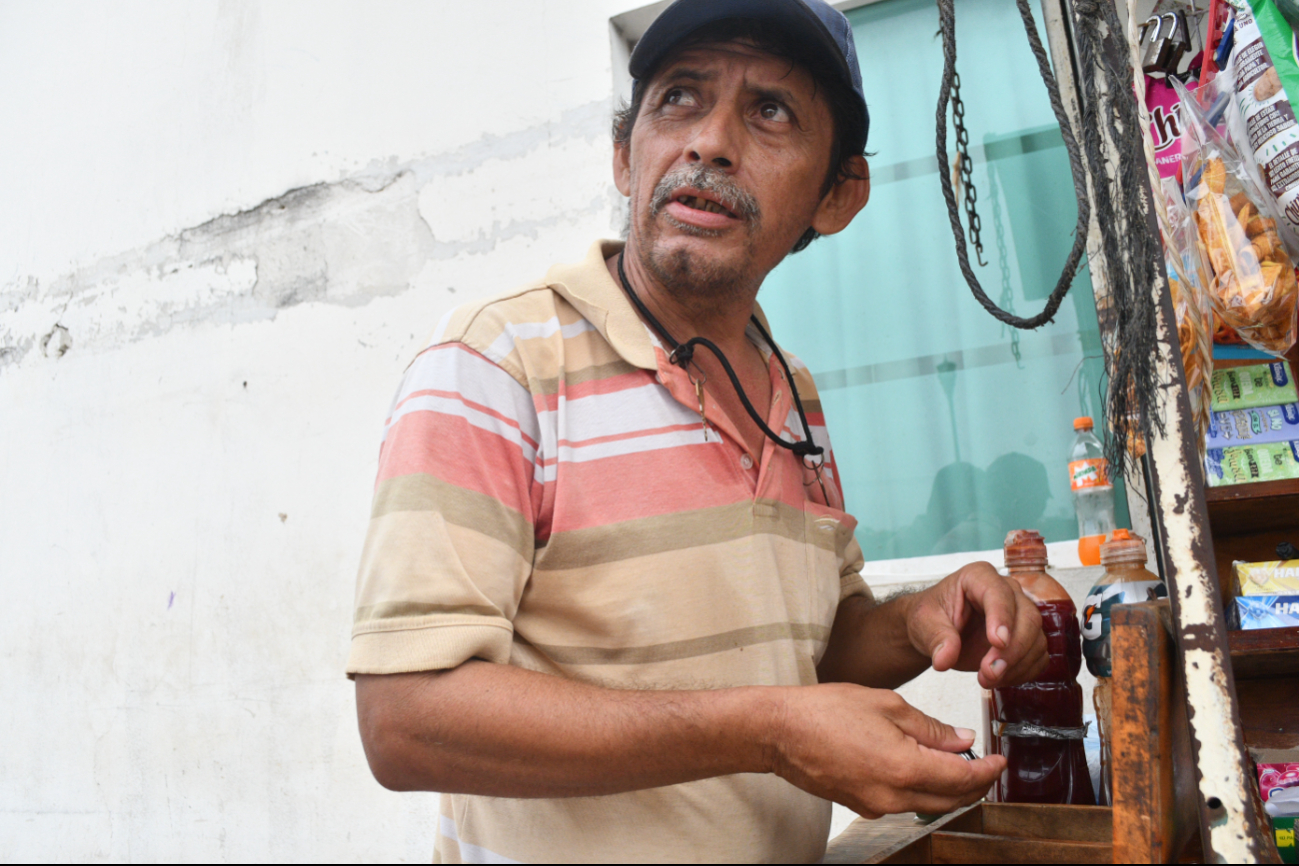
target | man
[{"x": 610, "y": 602}]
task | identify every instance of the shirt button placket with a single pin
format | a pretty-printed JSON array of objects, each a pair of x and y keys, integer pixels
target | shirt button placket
[{"x": 746, "y": 461}]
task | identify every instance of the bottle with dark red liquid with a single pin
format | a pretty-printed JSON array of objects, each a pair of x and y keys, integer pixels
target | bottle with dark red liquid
[{"x": 1042, "y": 769}]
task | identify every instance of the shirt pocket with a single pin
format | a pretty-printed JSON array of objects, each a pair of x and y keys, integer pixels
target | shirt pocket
[{"x": 826, "y": 534}]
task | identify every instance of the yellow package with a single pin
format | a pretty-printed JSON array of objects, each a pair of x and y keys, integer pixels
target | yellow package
[{"x": 1268, "y": 578}]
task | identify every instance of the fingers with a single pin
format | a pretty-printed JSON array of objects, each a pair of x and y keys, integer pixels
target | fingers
[
  {"x": 998, "y": 597},
  {"x": 934, "y": 631},
  {"x": 1030, "y": 659},
  {"x": 1017, "y": 650},
  {"x": 924, "y": 729},
  {"x": 946, "y": 775},
  {"x": 872, "y": 751}
]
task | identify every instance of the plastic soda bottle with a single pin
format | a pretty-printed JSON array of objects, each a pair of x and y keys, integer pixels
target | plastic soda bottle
[
  {"x": 1093, "y": 494},
  {"x": 1038, "y": 726}
]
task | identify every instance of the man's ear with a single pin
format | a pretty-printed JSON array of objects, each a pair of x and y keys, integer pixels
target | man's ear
[
  {"x": 622, "y": 168},
  {"x": 844, "y": 200}
]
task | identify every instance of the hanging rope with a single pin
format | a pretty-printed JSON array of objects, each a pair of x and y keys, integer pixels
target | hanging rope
[
  {"x": 947, "y": 25},
  {"x": 1132, "y": 253},
  {"x": 1132, "y": 257}
]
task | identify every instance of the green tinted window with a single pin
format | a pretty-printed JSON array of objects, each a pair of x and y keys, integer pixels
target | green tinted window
[{"x": 949, "y": 428}]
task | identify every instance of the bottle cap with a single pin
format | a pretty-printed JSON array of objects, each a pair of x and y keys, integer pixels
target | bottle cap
[
  {"x": 1025, "y": 548},
  {"x": 1083, "y": 423},
  {"x": 1123, "y": 546}
]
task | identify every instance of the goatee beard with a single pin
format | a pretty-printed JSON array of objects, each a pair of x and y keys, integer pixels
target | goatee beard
[{"x": 692, "y": 279}]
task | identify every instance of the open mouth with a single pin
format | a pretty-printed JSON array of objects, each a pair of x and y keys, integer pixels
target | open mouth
[{"x": 703, "y": 204}]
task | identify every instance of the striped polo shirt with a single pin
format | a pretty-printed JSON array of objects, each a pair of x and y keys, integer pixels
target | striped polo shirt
[{"x": 549, "y": 498}]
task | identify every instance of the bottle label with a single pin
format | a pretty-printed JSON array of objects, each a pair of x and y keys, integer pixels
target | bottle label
[
  {"x": 1096, "y": 617},
  {"x": 1086, "y": 474}
]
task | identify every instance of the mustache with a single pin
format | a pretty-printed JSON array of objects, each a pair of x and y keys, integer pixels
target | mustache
[{"x": 704, "y": 178}]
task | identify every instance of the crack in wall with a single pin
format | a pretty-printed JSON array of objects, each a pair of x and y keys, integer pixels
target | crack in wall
[{"x": 344, "y": 242}]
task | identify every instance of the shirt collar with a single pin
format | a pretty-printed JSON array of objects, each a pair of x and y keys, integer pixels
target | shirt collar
[{"x": 594, "y": 293}]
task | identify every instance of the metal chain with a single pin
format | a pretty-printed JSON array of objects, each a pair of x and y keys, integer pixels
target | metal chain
[
  {"x": 947, "y": 26},
  {"x": 965, "y": 166},
  {"x": 1007, "y": 299}
]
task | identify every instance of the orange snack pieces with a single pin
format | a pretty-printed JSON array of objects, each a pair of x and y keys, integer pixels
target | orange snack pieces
[{"x": 1253, "y": 288}]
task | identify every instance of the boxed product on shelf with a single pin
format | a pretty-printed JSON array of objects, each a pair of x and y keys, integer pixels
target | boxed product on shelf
[
  {"x": 1283, "y": 828},
  {"x": 1256, "y": 385},
  {"x": 1242, "y": 464},
  {"x": 1279, "y": 577},
  {"x": 1252, "y": 426},
  {"x": 1265, "y": 611},
  {"x": 1278, "y": 785}
]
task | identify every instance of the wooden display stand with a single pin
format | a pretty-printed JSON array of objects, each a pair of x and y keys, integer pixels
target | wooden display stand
[{"x": 1154, "y": 816}]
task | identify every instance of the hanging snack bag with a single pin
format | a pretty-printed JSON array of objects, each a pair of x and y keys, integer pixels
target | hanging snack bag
[
  {"x": 1262, "y": 72},
  {"x": 1194, "y": 316},
  {"x": 1253, "y": 287},
  {"x": 1185, "y": 277},
  {"x": 1165, "y": 107}
]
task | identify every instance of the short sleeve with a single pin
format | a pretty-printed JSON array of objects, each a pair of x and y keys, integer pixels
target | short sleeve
[
  {"x": 450, "y": 543},
  {"x": 850, "y": 580}
]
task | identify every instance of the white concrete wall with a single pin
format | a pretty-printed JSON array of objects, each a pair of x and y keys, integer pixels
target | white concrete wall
[{"x": 226, "y": 227}]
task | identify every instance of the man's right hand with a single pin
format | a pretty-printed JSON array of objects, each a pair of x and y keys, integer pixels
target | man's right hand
[{"x": 871, "y": 751}]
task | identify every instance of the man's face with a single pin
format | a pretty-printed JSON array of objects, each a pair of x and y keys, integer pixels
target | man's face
[{"x": 725, "y": 169}]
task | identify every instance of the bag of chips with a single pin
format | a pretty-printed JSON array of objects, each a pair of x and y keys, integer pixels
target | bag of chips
[{"x": 1252, "y": 279}]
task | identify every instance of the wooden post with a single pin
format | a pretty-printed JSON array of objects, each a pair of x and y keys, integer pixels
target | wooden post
[{"x": 1154, "y": 808}]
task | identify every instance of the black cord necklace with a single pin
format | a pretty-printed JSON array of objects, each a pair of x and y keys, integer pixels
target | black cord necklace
[{"x": 682, "y": 353}]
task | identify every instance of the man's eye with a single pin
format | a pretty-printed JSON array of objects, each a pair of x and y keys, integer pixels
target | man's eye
[
  {"x": 774, "y": 111},
  {"x": 678, "y": 96}
]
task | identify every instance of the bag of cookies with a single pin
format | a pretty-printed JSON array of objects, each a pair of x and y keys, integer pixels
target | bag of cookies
[
  {"x": 1252, "y": 285},
  {"x": 1260, "y": 120}
]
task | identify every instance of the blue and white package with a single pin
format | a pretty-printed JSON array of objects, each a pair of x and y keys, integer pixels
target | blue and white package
[
  {"x": 1253, "y": 426},
  {"x": 1267, "y": 611}
]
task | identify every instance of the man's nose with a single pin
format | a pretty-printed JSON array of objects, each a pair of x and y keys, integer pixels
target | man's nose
[{"x": 716, "y": 140}]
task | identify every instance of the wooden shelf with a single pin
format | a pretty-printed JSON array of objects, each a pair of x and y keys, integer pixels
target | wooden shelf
[
  {"x": 1264, "y": 653},
  {"x": 1266, "y": 664},
  {"x": 1251, "y": 508}
]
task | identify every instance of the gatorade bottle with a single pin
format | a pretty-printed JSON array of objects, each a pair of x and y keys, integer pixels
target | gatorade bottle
[
  {"x": 1093, "y": 494},
  {"x": 1125, "y": 581}
]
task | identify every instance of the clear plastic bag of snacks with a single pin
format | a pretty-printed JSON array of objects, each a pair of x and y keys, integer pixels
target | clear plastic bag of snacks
[
  {"x": 1194, "y": 314},
  {"x": 1252, "y": 285}
]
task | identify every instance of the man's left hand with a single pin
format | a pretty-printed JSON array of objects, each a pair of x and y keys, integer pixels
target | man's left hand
[{"x": 978, "y": 620}]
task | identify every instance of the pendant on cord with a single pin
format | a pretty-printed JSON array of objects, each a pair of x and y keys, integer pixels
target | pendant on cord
[{"x": 699, "y": 392}]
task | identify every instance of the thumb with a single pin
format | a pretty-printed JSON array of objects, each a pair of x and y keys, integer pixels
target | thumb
[
  {"x": 934, "y": 634},
  {"x": 928, "y": 731}
]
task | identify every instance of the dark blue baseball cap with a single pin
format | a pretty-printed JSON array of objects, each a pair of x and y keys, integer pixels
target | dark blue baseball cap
[{"x": 813, "y": 23}]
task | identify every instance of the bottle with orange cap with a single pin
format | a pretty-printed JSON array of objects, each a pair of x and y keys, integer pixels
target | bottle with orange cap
[
  {"x": 1125, "y": 581},
  {"x": 1093, "y": 493}
]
